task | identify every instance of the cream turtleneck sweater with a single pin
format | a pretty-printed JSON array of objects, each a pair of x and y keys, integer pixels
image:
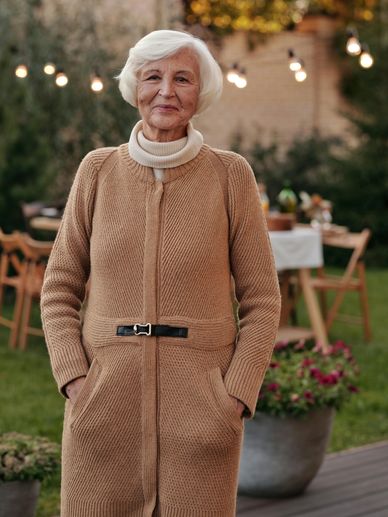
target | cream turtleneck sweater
[{"x": 162, "y": 155}]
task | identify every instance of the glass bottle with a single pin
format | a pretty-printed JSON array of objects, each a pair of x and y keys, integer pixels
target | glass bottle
[
  {"x": 287, "y": 199},
  {"x": 263, "y": 197}
]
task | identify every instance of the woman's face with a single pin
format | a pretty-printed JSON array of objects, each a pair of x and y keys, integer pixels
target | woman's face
[{"x": 167, "y": 95}]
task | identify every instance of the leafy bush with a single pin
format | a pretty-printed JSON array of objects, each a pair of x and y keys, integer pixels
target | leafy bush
[
  {"x": 24, "y": 457},
  {"x": 46, "y": 130}
]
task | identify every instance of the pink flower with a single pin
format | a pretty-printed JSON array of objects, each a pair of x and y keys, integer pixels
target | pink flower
[
  {"x": 273, "y": 386},
  {"x": 274, "y": 364},
  {"x": 294, "y": 397},
  {"x": 309, "y": 396},
  {"x": 353, "y": 389},
  {"x": 300, "y": 345},
  {"x": 328, "y": 379},
  {"x": 316, "y": 373},
  {"x": 307, "y": 361},
  {"x": 280, "y": 345}
]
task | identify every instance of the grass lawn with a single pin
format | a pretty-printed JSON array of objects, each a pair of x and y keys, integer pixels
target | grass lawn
[{"x": 30, "y": 402}]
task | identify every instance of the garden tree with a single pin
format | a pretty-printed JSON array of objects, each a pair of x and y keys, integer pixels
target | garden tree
[
  {"x": 353, "y": 176},
  {"x": 267, "y": 17},
  {"x": 46, "y": 130},
  {"x": 362, "y": 196}
]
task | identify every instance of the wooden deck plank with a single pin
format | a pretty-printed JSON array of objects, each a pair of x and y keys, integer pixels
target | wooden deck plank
[
  {"x": 316, "y": 501},
  {"x": 351, "y": 483}
]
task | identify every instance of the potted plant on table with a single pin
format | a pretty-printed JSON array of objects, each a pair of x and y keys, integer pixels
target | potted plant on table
[
  {"x": 24, "y": 462},
  {"x": 285, "y": 443}
]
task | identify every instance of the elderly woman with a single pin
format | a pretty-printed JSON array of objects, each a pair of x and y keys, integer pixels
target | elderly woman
[{"x": 156, "y": 376}]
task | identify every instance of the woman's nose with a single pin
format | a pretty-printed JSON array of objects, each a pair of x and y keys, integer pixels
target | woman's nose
[{"x": 167, "y": 88}]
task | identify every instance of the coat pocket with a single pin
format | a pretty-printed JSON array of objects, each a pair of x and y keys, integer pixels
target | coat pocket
[
  {"x": 222, "y": 402},
  {"x": 85, "y": 395}
]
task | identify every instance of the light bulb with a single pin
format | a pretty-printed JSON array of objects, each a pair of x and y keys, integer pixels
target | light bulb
[
  {"x": 294, "y": 63},
  {"x": 353, "y": 46},
  {"x": 241, "y": 82},
  {"x": 96, "y": 84},
  {"x": 21, "y": 71},
  {"x": 61, "y": 78},
  {"x": 49, "y": 68},
  {"x": 300, "y": 75},
  {"x": 366, "y": 59},
  {"x": 232, "y": 74}
]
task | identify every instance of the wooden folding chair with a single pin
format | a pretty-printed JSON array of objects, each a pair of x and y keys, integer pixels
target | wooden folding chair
[
  {"x": 12, "y": 275},
  {"x": 35, "y": 255},
  {"x": 353, "y": 279}
]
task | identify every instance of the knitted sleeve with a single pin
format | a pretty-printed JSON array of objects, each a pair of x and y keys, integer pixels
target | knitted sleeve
[
  {"x": 256, "y": 287},
  {"x": 65, "y": 280}
]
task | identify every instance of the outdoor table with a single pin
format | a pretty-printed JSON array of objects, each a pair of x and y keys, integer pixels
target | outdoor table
[{"x": 300, "y": 249}]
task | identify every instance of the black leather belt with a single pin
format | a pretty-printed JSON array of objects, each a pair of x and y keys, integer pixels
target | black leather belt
[{"x": 148, "y": 329}]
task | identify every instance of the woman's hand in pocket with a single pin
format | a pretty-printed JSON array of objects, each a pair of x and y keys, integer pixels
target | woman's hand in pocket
[
  {"x": 74, "y": 387},
  {"x": 239, "y": 405}
]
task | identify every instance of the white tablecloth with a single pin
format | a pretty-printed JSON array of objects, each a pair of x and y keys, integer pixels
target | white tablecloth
[{"x": 297, "y": 248}]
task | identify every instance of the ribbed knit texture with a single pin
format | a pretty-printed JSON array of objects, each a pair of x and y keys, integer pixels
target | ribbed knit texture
[{"x": 153, "y": 430}]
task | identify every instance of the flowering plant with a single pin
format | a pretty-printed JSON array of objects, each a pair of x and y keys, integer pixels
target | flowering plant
[
  {"x": 302, "y": 377},
  {"x": 317, "y": 209},
  {"x": 24, "y": 457}
]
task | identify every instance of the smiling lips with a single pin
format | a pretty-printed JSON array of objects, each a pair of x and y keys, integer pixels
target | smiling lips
[{"x": 166, "y": 107}]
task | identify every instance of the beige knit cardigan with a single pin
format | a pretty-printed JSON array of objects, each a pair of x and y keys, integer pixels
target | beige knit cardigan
[{"x": 153, "y": 431}]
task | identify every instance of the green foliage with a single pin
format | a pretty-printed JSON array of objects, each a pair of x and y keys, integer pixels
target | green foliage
[
  {"x": 24, "y": 457},
  {"x": 305, "y": 165},
  {"x": 355, "y": 180},
  {"x": 302, "y": 377},
  {"x": 46, "y": 130},
  {"x": 363, "y": 173},
  {"x": 255, "y": 16}
]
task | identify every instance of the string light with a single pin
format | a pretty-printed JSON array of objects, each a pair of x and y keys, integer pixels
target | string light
[
  {"x": 294, "y": 63},
  {"x": 241, "y": 80},
  {"x": 232, "y": 74},
  {"x": 96, "y": 83},
  {"x": 21, "y": 71},
  {"x": 353, "y": 45},
  {"x": 237, "y": 76},
  {"x": 301, "y": 75},
  {"x": 61, "y": 78},
  {"x": 49, "y": 68},
  {"x": 366, "y": 59}
]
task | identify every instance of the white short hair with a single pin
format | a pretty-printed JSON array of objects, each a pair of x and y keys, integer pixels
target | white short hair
[{"x": 160, "y": 44}]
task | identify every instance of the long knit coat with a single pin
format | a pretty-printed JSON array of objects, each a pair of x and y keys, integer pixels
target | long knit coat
[{"x": 153, "y": 431}]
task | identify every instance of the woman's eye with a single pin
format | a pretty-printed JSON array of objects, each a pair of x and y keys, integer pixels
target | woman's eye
[
  {"x": 181, "y": 79},
  {"x": 152, "y": 77}
]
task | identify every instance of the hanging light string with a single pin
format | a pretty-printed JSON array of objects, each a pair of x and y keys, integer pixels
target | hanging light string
[
  {"x": 235, "y": 73},
  {"x": 354, "y": 47}
]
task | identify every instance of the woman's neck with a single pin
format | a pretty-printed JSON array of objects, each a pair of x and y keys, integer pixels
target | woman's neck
[{"x": 163, "y": 135}]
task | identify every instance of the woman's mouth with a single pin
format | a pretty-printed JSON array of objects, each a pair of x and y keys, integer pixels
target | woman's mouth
[{"x": 166, "y": 107}]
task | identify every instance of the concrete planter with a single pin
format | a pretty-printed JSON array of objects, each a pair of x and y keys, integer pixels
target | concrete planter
[
  {"x": 19, "y": 498},
  {"x": 281, "y": 456}
]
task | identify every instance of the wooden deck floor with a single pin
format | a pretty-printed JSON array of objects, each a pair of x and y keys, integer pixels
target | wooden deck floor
[{"x": 351, "y": 483}]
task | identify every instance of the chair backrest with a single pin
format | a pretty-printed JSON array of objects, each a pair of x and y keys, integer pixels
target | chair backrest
[
  {"x": 32, "y": 249},
  {"x": 9, "y": 244},
  {"x": 352, "y": 241}
]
